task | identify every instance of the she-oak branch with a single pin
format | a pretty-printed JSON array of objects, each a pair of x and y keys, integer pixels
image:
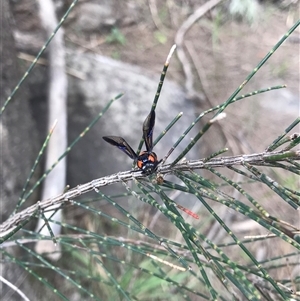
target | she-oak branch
[{"x": 253, "y": 159}]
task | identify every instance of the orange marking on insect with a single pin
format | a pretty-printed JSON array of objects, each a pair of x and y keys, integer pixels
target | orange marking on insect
[
  {"x": 139, "y": 164},
  {"x": 152, "y": 158}
]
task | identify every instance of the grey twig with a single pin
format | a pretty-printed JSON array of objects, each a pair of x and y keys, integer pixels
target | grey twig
[{"x": 253, "y": 159}]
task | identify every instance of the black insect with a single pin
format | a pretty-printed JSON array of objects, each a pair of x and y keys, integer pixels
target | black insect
[{"x": 146, "y": 160}]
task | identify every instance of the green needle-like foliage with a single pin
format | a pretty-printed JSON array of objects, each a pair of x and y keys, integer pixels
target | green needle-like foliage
[{"x": 170, "y": 253}]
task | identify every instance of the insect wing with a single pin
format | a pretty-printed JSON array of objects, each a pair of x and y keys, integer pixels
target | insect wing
[
  {"x": 148, "y": 128},
  {"x": 120, "y": 143}
]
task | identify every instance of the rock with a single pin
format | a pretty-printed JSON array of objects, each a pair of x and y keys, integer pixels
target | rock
[
  {"x": 106, "y": 78},
  {"x": 93, "y": 16}
]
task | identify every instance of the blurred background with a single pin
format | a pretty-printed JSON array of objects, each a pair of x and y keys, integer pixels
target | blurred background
[
  {"x": 121, "y": 46},
  {"x": 220, "y": 47}
]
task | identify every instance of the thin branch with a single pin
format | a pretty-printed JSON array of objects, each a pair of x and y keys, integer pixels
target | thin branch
[
  {"x": 154, "y": 13},
  {"x": 17, "y": 290},
  {"x": 179, "y": 38},
  {"x": 30, "y": 58},
  {"x": 264, "y": 158}
]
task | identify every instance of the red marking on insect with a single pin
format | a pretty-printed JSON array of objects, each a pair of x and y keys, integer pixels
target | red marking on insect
[{"x": 147, "y": 160}]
